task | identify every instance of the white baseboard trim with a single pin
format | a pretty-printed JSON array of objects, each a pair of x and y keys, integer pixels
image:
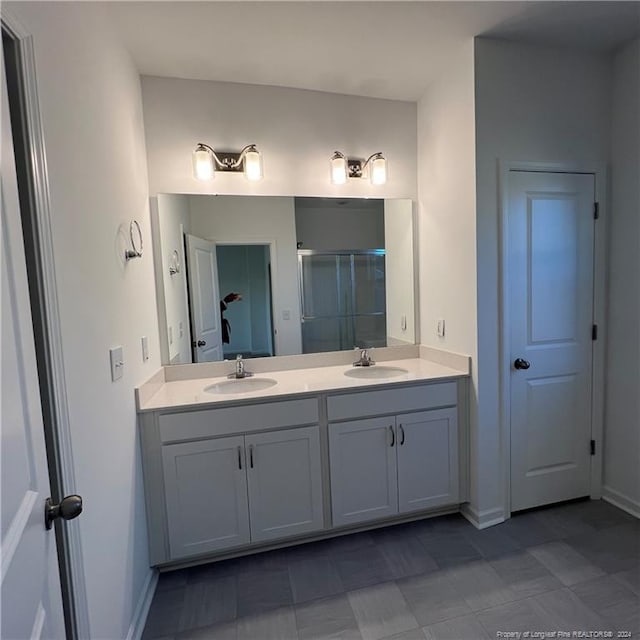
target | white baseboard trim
[
  {"x": 482, "y": 519},
  {"x": 621, "y": 501},
  {"x": 142, "y": 608}
]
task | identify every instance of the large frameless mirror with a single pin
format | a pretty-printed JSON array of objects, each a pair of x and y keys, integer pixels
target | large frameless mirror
[{"x": 268, "y": 275}]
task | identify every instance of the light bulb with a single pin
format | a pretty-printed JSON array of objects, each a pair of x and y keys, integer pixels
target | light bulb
[
  {"x": 203, "y": 164},
  {"x": 253, "y": 165},
  {"x": 378, "y": 170},
  {"x": 338, "y": 169}
]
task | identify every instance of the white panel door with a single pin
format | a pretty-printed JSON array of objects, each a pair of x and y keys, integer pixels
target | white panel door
[
  {"x": 206, "y": 331},
  {"x": 285, "y": 483},
  {"x": 550, "y": 269},
  {"x": 206, "y": 495},
  {"x": 31, "y": 597},
  {"x": 427, "y": 459},
  {"x": 364, "y": 481}
]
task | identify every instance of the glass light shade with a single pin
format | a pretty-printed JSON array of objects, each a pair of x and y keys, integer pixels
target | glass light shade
[
  {"x": 378, "y": 170},
  {"x": 253, "y": 165},
  {"x": 203, "y": 165},
  {"x": 338, "y": 170}
]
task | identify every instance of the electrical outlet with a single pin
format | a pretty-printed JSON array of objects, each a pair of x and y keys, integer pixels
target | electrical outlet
[
  {"x": 286, "y": 314},
  {"x": 170, "y": 335},
  {"x": 116, "y": 357},
  {"x": 440, "y": 328},
  {"x": 180, "y": 329},
  {"x": 145, "y": 348},
  {"x": 403, "y": 323}
]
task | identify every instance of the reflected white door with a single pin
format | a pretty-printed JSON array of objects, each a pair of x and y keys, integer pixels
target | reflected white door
[
  {"x": 206, "y": 331},
  {"x": 31, "y": 598},
  {"x": 550, "y": 269}
]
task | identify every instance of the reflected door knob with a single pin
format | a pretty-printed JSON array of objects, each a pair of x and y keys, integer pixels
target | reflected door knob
[
  {"x": 202, "y": 343},
  {"x": 67, "y": 509},
  {"x": 521, "y": 363}
]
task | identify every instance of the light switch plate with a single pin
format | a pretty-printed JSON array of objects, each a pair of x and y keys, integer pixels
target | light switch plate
[
  {"x": 145, "y": 348},
  {"x": 286, "y": 314},
  {"x": 116, "y": 356},
  {"x": 441, "y": 327}
]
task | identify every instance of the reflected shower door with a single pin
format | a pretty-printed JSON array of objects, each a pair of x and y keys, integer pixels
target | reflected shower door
[{"x": 342, "y": 299}]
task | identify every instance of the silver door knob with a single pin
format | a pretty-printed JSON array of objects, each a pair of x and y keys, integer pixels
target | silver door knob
[{"x": 68, "y": 508}]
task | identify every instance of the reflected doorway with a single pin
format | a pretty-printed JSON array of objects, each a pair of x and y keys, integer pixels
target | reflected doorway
[{"x": 245, "y": 269}]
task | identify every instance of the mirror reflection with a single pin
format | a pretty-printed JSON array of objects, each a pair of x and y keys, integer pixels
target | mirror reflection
[{"x": 269, "y": 275}]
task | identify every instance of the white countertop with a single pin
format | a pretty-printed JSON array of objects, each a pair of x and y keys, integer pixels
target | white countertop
[{"x": 190, "y": 393}]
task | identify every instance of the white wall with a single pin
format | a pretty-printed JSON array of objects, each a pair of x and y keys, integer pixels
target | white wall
[
  {"x": 297, "y": 132},
  {"x": 171, "y": 219},
  {"x": 241, "y": 220},
  {"x": 534, "y": 104},
  {"x": 622, "y": 419},
  {"x": 399, "y": 271},
  {"x": 447, "y": 220},
  {"x": 92, "y": 117}
]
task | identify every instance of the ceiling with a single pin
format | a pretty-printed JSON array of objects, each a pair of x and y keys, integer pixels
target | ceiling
[{"x": 387, "y": 49}]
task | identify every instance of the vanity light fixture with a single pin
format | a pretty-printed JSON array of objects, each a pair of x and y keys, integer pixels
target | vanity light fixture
[
  {"x": 374, "y": 167},
  {"x": 206, "y": 162}
]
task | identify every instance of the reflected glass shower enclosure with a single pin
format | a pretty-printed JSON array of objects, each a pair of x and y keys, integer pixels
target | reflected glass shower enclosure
[{"x": 342, "y": 299}]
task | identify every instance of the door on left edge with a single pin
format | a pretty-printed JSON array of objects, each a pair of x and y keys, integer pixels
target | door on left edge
[{"x": 31, "y": 596}]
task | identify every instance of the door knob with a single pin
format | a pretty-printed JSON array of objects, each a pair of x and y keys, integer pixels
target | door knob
[
  {"x": 69, "y": 508},
  {"x": 202, "y": 343},
  {"x": 521, "y": 363}
]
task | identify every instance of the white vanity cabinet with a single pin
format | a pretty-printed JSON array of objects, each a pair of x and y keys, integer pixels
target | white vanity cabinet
[
  {"x": 225, "y": 478},
  {"x": 427, "y": 450},
  {"x": 205, "y": 486},
  {"x": 385, "y": 466},
  {"x": 229, "y": 479},
  {"x": 364, "y": 476},
  {"x": 285, "y": 483},
  {"x": 227, "y": 492}
]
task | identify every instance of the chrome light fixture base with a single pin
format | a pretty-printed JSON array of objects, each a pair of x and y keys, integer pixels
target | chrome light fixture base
[
  {"x": 206, "y": 162},
  {"x": 374, "y": 168}
]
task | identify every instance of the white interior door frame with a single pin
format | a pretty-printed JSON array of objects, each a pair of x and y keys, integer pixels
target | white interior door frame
[
  {"x": 275, "y": 288},
  {"x": 600, "y": 172},
  {"x": 58, "y": 409}
]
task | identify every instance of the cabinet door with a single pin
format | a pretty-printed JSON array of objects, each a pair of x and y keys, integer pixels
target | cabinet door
[
  {"x": 427, "y": 459},
  {"x": 285, "y": 483},
  {"x": 364, "y": 484},
  {"x": 206, "y": 495}
]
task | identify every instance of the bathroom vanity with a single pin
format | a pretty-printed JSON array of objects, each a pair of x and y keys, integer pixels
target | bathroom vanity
[{"x": 318, "y": 452}]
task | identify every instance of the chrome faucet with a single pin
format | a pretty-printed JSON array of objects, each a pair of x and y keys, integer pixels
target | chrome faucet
[
  {"x": 365, "y": 359},
  {"x": 240, "y": 371}
]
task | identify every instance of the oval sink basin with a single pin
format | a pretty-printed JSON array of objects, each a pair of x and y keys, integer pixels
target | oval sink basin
[
  {"x": 374, "y": 372},
  {"x": 241, "y": 385}
]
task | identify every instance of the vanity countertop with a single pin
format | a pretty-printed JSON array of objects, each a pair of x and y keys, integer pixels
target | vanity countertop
[{"x": 191, "y": 393}]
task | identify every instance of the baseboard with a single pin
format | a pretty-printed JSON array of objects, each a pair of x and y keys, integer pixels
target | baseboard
[
  {"x": 482, "y": 519},
  {"x": 142, "y": 608},
  {"x": 621, "y": 501}
]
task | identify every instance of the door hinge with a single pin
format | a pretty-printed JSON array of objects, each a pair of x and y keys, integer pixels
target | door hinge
[
  {"x": 594, "y": 332},
  {"x": 593, "y": 447},
  {"x": 596, "y": 210}
]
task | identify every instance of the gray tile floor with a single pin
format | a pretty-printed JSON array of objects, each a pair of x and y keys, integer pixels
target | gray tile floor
[{"x": 572, "y": 567}]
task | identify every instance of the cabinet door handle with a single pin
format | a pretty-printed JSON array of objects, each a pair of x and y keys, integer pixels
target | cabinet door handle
[
  {"x": 251, "y": 456},
  {"x": 240, "y": 458},
  {"x": 393, "y": 435},
  {"x": 401, "y": 434}
]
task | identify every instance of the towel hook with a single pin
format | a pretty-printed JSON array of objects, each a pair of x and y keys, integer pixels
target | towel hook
[{"x": 174, "y": 263}]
